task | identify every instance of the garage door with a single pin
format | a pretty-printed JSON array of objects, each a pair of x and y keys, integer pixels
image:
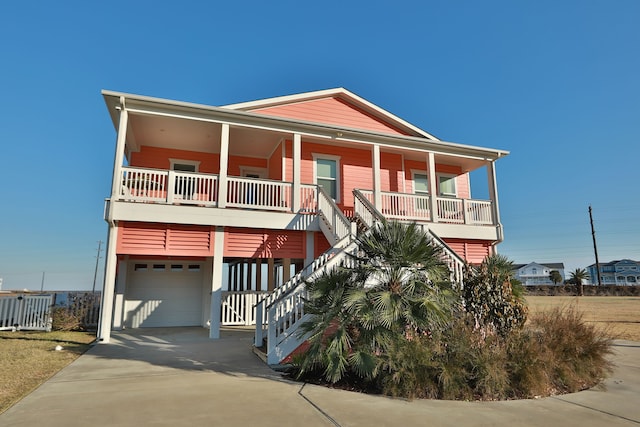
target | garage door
[{"x": 162, "y": 295}]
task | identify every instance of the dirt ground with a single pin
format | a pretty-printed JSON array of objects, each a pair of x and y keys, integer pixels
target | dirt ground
[{"x": 620, "y": 315}]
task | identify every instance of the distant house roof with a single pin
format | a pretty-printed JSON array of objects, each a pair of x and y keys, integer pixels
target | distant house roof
[
  {"x": 552, "y": 265},
  {"x": 614, "y": 262}
]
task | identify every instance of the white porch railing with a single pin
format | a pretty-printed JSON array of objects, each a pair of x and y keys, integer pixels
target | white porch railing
[
  {"x": 238, "y": 308},
  {"x": 417, "y": 207},
  {"x": 256, "y": 193},
  {"x": 164, "y": 186}
]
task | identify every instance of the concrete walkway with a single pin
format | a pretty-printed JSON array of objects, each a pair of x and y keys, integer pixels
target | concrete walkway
[{"x": 178, "y": 377}]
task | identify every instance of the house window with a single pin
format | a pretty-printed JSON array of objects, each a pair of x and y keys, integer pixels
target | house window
[
  {"x": 447, "y": 185},
  {"x": 194, "y": 267},
  {"x": 176, "y": 267},
  {"x": 326, "y": 173},
  {"x": 420, "y": 183},
  {"x": 184, "y": 165},
  {"x": 140, "y": 267},
  {"x": 534, "y": 271},
  {"x": 158, "y": 267}
]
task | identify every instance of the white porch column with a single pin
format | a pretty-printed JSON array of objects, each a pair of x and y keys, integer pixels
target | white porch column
[
  {"x": 224, "y": 164},
  {"x": 116, "y": 182},
  {"x": 216, "y": 283},
  {"x": 106, "y": 306},
  {"x": 493, "y": 195},
  {"x": 297, "y": 144},
  {"x": 121, "y": 284},
  {"x": 433, "y": 186},
  {"x": 377, "y": 195}
]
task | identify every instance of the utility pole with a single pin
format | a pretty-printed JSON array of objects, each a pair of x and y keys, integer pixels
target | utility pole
[
  {"x": 595, "y": 247},
  {"x": 42, "y": 284},
  {"x": 95, "y": 273}
]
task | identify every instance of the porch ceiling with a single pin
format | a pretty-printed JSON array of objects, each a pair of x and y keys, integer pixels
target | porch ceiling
[
  {"x": 203, "y": 136},
  {"x": 194, "y": 135}
]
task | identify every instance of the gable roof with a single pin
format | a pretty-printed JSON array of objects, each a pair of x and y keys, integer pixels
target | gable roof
[
  {"x": 336, "y": 106},
  {"x": 552, "y": 265}
]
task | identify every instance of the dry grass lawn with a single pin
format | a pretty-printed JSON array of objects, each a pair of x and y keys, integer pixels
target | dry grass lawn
[
  {"x": 27, "y": 359},
  {"x": 619, "y": 315}
]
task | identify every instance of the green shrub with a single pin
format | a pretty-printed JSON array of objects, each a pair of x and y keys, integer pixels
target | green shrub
[{"x": 495, "y": 302}]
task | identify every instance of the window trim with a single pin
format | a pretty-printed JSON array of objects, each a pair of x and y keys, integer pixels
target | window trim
[{"x": 319, "y": 156}]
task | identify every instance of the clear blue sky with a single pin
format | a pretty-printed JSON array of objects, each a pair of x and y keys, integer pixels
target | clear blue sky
[{"x": 557, "y": 83}]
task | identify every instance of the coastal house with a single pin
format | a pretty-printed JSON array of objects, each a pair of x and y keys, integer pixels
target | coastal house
[
  {"x": 537, "y": 274},
  {"x": 624, "y": 272},
  {"x": 217, "y": 215}
]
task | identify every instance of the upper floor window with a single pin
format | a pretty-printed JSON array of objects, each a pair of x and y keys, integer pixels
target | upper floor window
[
  {"x": 184, "y": 165},
  {"x": 326, "y": 174},
  {"x": 447, "y": 185},
  {"x": 420, "y": 183},
  {"x": 534, "y": 271}
]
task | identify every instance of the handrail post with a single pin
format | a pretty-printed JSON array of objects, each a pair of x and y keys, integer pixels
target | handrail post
[
  {"x": 171, "y": 186},
  {"x": 259, "y": 336}
]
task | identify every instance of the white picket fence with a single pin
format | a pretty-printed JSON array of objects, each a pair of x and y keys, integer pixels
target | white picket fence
[
  {"x": 238, "y": 308},
  {"x": 26, "y": 312}
]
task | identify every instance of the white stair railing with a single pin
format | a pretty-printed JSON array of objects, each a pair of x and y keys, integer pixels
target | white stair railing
[{"x": 369, "y": 215}]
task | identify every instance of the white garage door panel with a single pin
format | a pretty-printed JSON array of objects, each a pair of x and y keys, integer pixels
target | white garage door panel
[{"x": 161, "y": 299}]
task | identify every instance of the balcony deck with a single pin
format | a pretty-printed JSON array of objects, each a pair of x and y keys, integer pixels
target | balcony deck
[{"x": 142, "y": 185}]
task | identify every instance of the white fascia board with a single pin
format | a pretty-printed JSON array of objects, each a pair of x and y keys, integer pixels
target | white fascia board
[
  {"x": 193, "y": 215},
  {"x": 177, "y": 109},
  {"x": 461, "y": 231}
]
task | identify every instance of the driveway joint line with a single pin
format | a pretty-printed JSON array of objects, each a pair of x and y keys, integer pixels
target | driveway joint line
[
  {"x": 324, "y": 414},
  {"x": 595, "y": 409}
]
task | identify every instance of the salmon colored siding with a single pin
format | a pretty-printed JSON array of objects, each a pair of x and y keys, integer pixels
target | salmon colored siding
[
  {"x": 275, "y": 164},
  {"x": 164, "y": 239},
  {"x": 392, "y": 176},
  {"x": 332, "y": 111},
  {"x": 236, "y": 162},
  {"x": 355, "y": 168},
  {"x": 159, "y": 158},
  {"x": 472, "y": 251},
  {"x": 252, "y": 243},
  {"x": 321, "y": 244}
]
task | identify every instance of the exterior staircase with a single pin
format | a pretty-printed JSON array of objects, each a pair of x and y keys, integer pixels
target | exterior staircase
[{"x": 285, "y": 306}]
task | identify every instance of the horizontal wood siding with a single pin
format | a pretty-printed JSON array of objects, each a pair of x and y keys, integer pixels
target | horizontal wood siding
[
  {"x": 391, "y": 175},
  {"x": 164, "y": 239},
  {"x": 333, "y": 111},
  {"x": 321, "y": 244},
  {"x": 159, "y": 158},
  {"x": 248, "y": 243},
  {"x": 236, "y": 162},
  {"x": 275, "y": 164},
  {"x": 355, "y": 168},
  {"x": 473, "y": 251}
]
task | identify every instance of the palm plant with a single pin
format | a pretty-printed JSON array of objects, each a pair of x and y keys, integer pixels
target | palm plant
[
  {"x": 555, "y": 277},
  {"x": 399, "y": 288},
  {"x": 577, "y": 276}
]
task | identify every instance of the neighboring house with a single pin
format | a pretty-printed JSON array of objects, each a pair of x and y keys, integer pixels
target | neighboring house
[
  {"x": 214, "y": 208},
  {"x": 537, "y": 274},
  {"x": 623, "y": 272}
]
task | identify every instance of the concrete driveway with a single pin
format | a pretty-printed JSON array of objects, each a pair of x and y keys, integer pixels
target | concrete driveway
[{"x": 177, "y": 376}]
